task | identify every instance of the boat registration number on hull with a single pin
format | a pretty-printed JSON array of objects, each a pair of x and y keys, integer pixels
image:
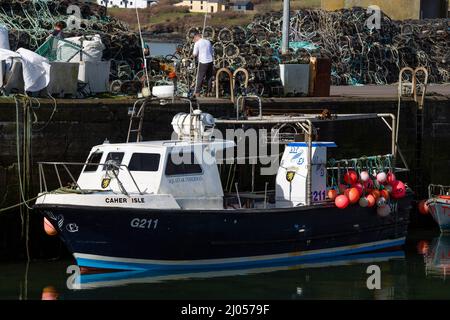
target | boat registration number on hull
[{"x": 142, "y": 223}]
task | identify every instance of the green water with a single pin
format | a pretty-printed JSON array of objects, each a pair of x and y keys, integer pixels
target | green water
[{"x": 420, "y": 271}]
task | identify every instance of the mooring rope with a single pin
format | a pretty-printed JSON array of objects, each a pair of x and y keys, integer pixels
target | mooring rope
[
  {"x": 21, "y": 203},
  {"x": 24, "y": 175}
]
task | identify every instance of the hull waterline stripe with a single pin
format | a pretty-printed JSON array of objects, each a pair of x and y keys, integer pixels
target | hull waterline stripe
[
  {"x": 97, "y": 280},
  {"x": 96, "y": 261}
]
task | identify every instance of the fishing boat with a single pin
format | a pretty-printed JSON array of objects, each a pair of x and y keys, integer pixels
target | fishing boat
[
  {"x": 161, "y": 205},
  {"x": 439, "y": 205}
]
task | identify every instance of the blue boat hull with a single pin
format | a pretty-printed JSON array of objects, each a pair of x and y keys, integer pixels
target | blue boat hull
[{"x": 136, "y": 239}]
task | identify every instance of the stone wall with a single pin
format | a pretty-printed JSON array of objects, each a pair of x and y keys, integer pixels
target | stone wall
[{"x": 79, "y": 125}]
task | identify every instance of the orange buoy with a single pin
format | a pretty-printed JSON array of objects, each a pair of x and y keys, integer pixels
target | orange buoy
[
  {"x": 423, "y": 207},
  {"x": 332, "y": 194},
  {"x": 48, "y": 228},
  {"x": 342, "y": 201},
  {"x": 385, "y": 194},
  {"x": 371, "y": 200},
  {"x": 363, "y": 202},
  {"x": 376, "y": 194},
  {"x": 398, "y": 190},
  {"x": 350, "y": 177},
  {"x": 353, "y": 195}
]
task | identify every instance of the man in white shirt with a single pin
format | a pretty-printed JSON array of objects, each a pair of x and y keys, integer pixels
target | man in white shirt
[{"x": 204, "y": 51}]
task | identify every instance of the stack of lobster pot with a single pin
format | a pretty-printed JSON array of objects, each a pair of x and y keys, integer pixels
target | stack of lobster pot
[{"x": 360, "y": 53}]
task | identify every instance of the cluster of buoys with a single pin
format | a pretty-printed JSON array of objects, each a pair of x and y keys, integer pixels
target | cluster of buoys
[{"x": 368, "y": 191}]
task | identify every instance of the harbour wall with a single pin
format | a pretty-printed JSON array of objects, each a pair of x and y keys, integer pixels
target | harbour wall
[{"x": 77, "y": 125}]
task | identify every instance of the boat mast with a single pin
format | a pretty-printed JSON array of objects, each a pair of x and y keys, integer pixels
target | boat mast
[{"x": 286, "y": 21}]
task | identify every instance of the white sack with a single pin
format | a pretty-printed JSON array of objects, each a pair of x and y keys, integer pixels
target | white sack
[{"x": 92, "y": 49}]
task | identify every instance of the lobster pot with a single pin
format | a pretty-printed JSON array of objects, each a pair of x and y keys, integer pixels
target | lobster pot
[
  {"x": 292, "y": 174},
  {"x": 4, "y": 38}
]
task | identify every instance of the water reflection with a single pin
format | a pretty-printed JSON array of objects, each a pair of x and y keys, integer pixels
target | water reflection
[
  {"x": 437, "y": 257},
  {"x": 337, "y": 278},
  {"x": 113, "y": 279},
  {"x": 420, "y": 272}
]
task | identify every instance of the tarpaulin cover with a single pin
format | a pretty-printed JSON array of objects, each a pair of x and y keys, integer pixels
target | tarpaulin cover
[{"x": 36, "y": 69}]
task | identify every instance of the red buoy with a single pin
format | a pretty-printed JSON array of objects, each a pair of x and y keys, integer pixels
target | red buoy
[
  {"x": 368, "y": 184},
  {"x": 423, "y": 207},
  {"x": 342, "y": 188},
  {"x": 390, "y": 178},
  {"x": 350, "y": 177},
  {"x": 346, "y": 192},
  {"x": 398, "y": 190},
  {"x": 359, "y": 186},
  {"x": 342, "y": 201}
]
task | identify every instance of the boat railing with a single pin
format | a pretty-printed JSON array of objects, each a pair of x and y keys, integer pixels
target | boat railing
[
  {"x": 362, "y": 163},
  {"x": 240, "y": 106},
  {"x": 63, "y": 167},
  {"x": 438, "y": 190}
]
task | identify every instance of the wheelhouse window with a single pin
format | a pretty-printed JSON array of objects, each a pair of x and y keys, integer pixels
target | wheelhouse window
[
  {"x": 182, "y": 164},
  {"x": 116, "y": 157},
  {"x": 144, "y": 162},
  {"x": 93, "y": 160}
]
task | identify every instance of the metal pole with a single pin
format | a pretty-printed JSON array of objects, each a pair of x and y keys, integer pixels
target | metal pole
[
  {"x": 286, "y": 20},
  {"x": 309, "y": 160}
]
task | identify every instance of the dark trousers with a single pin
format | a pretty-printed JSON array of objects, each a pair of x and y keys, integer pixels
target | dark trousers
[{"x": 205, "y": 71}]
